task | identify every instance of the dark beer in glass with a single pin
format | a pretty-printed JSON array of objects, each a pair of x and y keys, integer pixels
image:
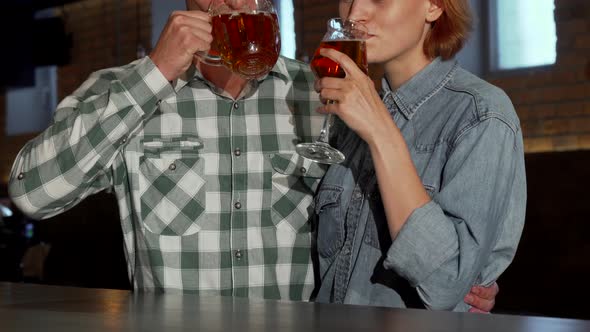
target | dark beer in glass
[
  {"x": 349, "y": 38},
  {"x": 355, "y": 49}
]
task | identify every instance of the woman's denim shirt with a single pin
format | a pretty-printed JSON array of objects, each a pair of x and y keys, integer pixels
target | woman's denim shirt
[{"x": 466, "y": 143}]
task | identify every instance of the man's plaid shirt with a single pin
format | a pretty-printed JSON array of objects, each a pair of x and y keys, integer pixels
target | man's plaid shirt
[{"x": 212, "y": 196}]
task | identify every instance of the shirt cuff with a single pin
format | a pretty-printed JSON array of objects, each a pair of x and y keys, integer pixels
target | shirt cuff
[
  {"x": 423, "y": 244},
  {"x": 147, "y": 85}
]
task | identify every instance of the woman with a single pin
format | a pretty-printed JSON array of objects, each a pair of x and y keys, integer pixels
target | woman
[{"x": 431, "y": 197}]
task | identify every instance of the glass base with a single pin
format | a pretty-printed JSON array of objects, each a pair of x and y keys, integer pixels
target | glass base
[
  {"x": 255, "y": 65},
  {"x": 320, "y": 152}
]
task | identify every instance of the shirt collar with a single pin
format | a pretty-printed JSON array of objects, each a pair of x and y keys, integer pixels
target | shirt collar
[
  {"x": 421, "y": 87},
  {"x": 279, "y": 70}
]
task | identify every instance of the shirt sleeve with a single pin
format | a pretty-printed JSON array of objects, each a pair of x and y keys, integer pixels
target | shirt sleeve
[
  {"x": 72, "y": 158},
  {"x": 473, "y": 224}
]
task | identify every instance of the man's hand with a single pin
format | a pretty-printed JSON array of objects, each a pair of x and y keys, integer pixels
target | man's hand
[
  {"x": 185, "y": 33},
  {"x": 482, "y": 299}
]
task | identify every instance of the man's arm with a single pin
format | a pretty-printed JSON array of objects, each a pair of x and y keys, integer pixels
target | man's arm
[{"x": 72, "y": 158}]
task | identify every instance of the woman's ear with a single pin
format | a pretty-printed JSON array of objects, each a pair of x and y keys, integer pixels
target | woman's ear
[{"x": 435, "y": 10}]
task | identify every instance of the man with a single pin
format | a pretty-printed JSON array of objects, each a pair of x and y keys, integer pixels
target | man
[{"x": 212, "y": 196}]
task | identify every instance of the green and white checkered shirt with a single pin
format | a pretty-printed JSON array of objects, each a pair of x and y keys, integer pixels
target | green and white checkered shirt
[{"x": 212, "y": 196}]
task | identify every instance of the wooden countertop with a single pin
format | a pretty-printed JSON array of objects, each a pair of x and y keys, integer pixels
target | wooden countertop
[{"x": 28, "y": 307}]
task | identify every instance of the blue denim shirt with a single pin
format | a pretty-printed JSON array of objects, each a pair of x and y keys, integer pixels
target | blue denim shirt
[{"x": 466, "y": 144}]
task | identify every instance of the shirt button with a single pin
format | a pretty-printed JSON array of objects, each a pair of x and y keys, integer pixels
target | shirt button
[
  {"x": 21, "y": 176},
  {"x": 236, "y": 106},
  {"x": 303, "y": 170},
  {"x": 238, "y": 254},
  {"x": 172, "y": 167},
  {"x": 238, "y": 205},
  {"x": 237, "y": 152},
  {"x": 123, "y": 140},
  {"x": 358, "y": 195},
  {"x": 158, "y": 103}
]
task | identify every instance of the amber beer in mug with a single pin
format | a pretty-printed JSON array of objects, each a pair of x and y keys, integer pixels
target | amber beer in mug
[
  {"x": 247, "y": 43},
  {"x": 246, "y": 37},
  {"x": 325, "y": 67}
]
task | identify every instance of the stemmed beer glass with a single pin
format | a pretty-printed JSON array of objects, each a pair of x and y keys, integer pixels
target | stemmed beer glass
[{"x": 347, "y": 37}]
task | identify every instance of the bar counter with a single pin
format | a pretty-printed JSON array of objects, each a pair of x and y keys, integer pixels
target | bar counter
[{"x": 29, "y": 307}]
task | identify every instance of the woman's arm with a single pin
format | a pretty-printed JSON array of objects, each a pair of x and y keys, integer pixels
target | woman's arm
[
  {"x": 474, "y": 221},
  {"x": 400, "y": 186},
  {"x": 359, "y": 105}
]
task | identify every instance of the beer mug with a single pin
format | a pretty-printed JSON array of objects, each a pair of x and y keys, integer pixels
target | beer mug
[{"x": 246, "y": 37}]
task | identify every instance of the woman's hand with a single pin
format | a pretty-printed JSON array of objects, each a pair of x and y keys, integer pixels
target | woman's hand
[{"x": 355, "y": 100}]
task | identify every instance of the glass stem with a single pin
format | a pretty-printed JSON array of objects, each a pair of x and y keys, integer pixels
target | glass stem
[{"x": 325, "y": 133}]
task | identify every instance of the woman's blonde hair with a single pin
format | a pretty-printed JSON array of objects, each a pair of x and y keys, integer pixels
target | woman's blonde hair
[{"x": 450, "y": 31}]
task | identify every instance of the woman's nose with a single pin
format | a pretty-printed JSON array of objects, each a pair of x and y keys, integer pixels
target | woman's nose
[{"x": 358, "y": 11}]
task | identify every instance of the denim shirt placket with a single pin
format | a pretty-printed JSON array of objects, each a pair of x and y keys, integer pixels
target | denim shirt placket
[
  {"x": 344, "y": 260},
  {"x": 357, "y": 213},
  {"x": 356, "y": 219}
]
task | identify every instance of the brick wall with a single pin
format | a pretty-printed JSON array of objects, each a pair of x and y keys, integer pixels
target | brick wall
[
  {"x": 310, "y": 24},
  {"x": 553, "y": 103},
  {"x": 105, "y": 34},
  {"x": 93, "y": 25}
]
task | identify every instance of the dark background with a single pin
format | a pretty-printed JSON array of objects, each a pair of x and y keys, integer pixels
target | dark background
[{"x": 39, "y": 41}]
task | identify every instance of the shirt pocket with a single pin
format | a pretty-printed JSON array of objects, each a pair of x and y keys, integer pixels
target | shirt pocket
[
  {"x": 294, "y": 181},
  {"x": 330, "y": 232},
  {"x": 171, "y": 187},
  {"x": 178, "y": 147}
]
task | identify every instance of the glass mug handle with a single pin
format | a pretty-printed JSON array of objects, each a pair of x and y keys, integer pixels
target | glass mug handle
[
  {"x": 212, "y": 60},
  {"x": 217, "y": 7}
]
